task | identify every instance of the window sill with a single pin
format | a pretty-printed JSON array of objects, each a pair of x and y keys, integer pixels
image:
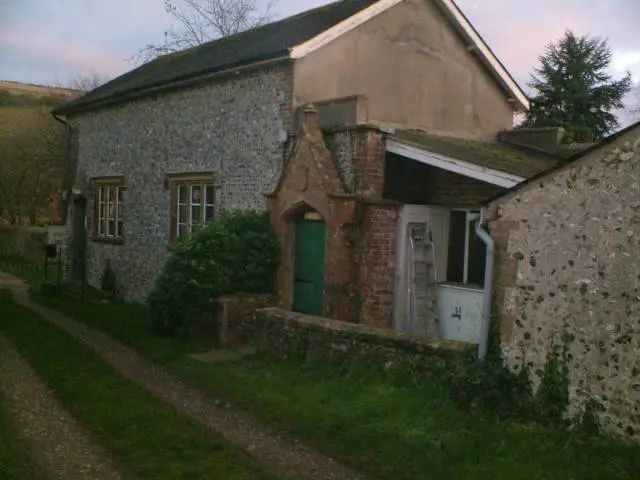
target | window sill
[
  {"x": 107, "y": 240},
  {"x": 461, "y": 286}
]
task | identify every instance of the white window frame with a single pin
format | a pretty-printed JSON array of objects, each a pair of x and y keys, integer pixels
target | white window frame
[
  {"x": 181, "y": 192},
  {"x": 467, "y": 231},
  {"x": 108, "y": 222},
  {"x": 205, "y": 203}
]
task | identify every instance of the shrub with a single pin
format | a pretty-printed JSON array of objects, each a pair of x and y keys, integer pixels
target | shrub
[
  {"x": 237, "y": 253},
  {"x": 108, "y": 283},
  {"x": 492, "y": 386}
]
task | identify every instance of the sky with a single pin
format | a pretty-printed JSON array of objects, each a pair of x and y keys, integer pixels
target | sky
[{"x": 50, "y": 41}]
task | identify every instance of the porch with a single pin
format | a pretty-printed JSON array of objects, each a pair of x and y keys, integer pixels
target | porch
[{"x": 440, "y": 259}]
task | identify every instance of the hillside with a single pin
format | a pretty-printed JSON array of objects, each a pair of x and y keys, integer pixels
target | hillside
[
  {"x": 32, "y": 152},
  {"x": 16, "y": 94}
]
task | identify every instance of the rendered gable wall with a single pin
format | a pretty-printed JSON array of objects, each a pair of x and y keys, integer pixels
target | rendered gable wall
[{"x": 415, "y": 70}]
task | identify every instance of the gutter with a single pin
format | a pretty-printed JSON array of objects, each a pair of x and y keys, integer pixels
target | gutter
[
  {"x": 487, "y": 289},
  {"x": 170, "y": 85},
  {"x": 59, "y": 119}
]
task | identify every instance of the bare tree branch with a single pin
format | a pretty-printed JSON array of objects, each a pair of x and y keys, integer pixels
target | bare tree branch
[
  {"x": 86, "y": 83},
  {"x": 199, "y": 21}
]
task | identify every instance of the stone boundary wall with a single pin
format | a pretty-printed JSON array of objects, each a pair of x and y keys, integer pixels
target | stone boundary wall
[
  {"x": 568, "y": 279},
  {"x": 285, "y": 334},
  {"x": 235, "y": 315},
  {"x": 24, "y": 242}
]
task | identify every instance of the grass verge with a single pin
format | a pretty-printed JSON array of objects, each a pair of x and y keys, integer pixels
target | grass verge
[
  {"x": 149, "y": 438},
  {"x": 389, "y": 428}
]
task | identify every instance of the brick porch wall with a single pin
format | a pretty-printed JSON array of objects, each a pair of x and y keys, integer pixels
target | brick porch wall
[{"x": 377, "y": 264}]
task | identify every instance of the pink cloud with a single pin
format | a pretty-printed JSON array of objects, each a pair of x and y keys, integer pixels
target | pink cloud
[
  {"x": 518, "y": 40},
  {"x": 80, "y": 58}
]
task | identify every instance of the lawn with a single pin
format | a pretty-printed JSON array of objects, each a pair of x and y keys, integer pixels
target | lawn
[
  {"x": 385, "y": 427},
  {"x": 147, "y": 437}
]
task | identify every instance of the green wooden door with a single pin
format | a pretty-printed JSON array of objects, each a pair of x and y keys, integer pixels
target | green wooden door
[{"x": 308, "y": 292}]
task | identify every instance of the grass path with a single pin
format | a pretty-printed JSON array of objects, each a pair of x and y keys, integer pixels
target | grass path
[
  {"x": 286, "y": 456},
  {"x": 57, "y": 443},
  {"x": 150, "y": 439},
  {"x": 390, "y": 428}
]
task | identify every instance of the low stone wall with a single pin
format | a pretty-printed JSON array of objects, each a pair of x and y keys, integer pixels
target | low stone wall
[
  {"x": 283, "y": 334},
  {"x": 235, "y": 315}
]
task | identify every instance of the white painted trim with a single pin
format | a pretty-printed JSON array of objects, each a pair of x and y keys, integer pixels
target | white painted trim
[
  {"x": 465, "y": 266},
  {"x": 478, "y": 45},
  {"x": 300, "y": 51},
  {"x": 484, "y": 49},
  {"x": 484, "y": 174}
]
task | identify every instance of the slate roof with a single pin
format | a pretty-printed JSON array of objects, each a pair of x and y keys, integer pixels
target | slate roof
[
  {"x": 262, "y": 43},
  {"x": 497, "y": 156}
]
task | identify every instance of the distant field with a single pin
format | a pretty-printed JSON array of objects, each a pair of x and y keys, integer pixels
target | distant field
[
  {"x": 31, "y": 89},
  {"x": 28, "y": 132},
  {"x": 14, "y": 94},
  {"x": 24, "y": 106}
]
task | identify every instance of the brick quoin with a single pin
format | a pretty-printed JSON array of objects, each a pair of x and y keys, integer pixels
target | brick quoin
[{"x": 506, "y": 271}]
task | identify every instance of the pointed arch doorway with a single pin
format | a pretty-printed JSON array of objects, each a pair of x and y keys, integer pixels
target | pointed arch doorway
[{"x": 308, "y": 288}]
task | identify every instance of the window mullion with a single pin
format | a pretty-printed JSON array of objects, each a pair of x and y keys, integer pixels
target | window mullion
[
  {"x": 103, "y": 211},
  {"x": 203, "y": 204},
  {"x": 190, "y": 207},
  {"x": 116, "y": 213}
]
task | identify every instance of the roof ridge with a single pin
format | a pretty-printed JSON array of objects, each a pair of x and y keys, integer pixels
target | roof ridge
[
  {"x": 268, "y": 42},
  {"x": 235, "y": 35}
]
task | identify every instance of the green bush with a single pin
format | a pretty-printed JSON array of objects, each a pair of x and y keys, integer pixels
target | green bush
[
  {"x": 492, "y": 386},
  {"x": 237, "y": 253}
]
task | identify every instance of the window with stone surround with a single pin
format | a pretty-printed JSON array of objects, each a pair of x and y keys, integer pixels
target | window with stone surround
[
  {"x": 108, "y": 200},
  {"x": 192, "y": 203}
]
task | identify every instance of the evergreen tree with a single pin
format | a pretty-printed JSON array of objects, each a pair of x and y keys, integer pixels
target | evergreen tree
[{"x": 574, "y": 91}]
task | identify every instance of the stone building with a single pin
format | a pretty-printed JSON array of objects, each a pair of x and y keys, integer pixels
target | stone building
[
  {"x": 568, "y": 276},
  {"x": 410, "y": 101}
]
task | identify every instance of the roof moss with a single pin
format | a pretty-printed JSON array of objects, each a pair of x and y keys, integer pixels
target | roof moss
[{"x": 494, "y": 155}]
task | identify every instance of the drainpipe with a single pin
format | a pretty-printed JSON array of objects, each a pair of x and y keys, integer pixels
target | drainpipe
[
  {"x": 59, "y": 119},
  {"x": 66, "y": 182},
  {"x": 487, "y": 291}
]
